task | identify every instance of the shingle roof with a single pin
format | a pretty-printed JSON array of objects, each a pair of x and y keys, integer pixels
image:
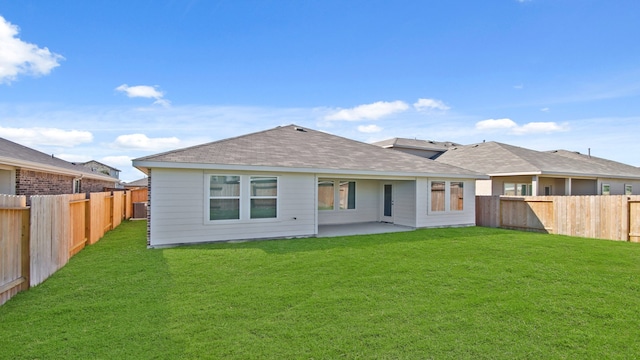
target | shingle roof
[
  {"x": 496, "y": 158},
  {"x": 11, "y": 152},
  {"x": 301, "y": 148},
  {"x": 416, "y": 144}
]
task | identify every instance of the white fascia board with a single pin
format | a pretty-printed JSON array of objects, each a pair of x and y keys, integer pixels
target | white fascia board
[
  {"x": 28, "y": 165},
  {"x": 386, "y": 174}
]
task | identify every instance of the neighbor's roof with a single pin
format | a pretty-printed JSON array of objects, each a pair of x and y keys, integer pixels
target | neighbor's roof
[
  {"x": 293, "y": 148},
  {"x": 416, "y": 144},
  {"x": 494, "y": 158},
  {"x": 17, "y": 155}
]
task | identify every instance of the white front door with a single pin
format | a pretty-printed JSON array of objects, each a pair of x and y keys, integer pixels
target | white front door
[{"x": 387, "y": 203}]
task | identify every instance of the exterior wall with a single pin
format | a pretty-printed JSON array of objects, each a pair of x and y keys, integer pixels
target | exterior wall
[
  {"x": 484, "y": 187},
  {"x": 404, "y": 203},
  {"x": 7, "y": 181},
  {"x": 617, "y": 186},
  {"x": 97, "y": 167},
  {"x": 368, "y": 203},
  {"x": 178, "y": 201},
  {"x": 31, "y": 183},
  {"x": 584, "y": 187},
  {"x": 427, "y": 218}
]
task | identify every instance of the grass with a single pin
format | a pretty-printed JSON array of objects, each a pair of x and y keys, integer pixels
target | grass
[{"x": 467, "y": 293}]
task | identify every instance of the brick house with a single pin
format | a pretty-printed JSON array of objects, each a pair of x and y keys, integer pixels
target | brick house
[{"x": 25, "y": 171}]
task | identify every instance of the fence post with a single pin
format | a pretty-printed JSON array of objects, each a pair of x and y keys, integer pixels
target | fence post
[{"x": 26, "y": 248}]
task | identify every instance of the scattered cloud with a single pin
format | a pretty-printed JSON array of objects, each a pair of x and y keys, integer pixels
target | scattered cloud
[
  {"x": 369, "y": 111},
  {"x": 145, "y": 91},
  {"x": 518, "y": 87},
  {"x": 497, "y": 124},
  {"x": 513, "y": 128},
  {"x": 430, "y": 104},
  {"x": 19, "y": 57},
  {"x": 545, "y": 109},
  {"x": 46, "y": 136},
  {"x": 117, "y": 161},
  {"x": 142, "y": 142},
  {"x": 368, "y": 129}
]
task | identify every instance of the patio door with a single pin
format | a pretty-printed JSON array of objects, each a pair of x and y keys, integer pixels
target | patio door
[{"x": 387, "y": 203}]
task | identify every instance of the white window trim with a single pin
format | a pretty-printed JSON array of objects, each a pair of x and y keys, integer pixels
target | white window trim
[
  {"x": 244, "y": 200},
  {"x": 447, "y": 197}
]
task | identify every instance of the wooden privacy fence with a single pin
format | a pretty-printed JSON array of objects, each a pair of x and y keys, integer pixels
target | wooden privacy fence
[
  {"x": 37, "y": 240},
  {"x": 613, "y": 217}
]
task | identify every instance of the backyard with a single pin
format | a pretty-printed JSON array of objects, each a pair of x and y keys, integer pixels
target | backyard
[{"x": 438, "y": 293}]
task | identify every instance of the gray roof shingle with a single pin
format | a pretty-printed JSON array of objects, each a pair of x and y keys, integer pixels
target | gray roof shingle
[
  {"x": 495, "y": 158},
  {"x": 416, "y": 144},
  {"x": 296, "y": 147},
  {"x": 10, "y": 150}
]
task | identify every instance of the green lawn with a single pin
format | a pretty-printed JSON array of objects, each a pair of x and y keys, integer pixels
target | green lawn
[{"x": 468, "y": 293}]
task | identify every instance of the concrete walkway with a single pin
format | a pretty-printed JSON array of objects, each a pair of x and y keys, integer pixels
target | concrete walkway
[{"x": 360, "y": 229}]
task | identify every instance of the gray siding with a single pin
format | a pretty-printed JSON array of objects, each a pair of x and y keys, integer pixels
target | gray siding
[{"x": 179, "y": 201}]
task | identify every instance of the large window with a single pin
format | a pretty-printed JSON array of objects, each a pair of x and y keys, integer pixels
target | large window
[
  {"x": 446, "y": 196},
  {"x": 437, "y": 195},
  {"x": 224, "y": 197},
  {"x": 242, "y": 197},
  {"x": 456, "y": 196},
  {"x": 343, "y": 196},
  {"x": 264, "y": 197},
  {"x": 513, "y": 189}
]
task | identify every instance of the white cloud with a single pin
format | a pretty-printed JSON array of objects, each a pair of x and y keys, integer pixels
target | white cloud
[
  {"x": 46, "y": 136},
  {"x": 142, "y": 142},
  {"x": 145, "y": 91},
  {"x": 369, "y": 128},
  {"x": 513, "y": 128},
  {"x": 430, "y": 104},
  {"x": 19, "y": 57},
  {"x": 369, "y": 111},
  {"x": 117, "y": 161},
  {"x": 546, "y": 109},
  {"x": 539, "y": 127},
  {"x": 496, "y": 124}
]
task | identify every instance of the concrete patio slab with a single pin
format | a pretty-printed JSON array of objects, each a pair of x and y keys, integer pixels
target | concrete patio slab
[{"x": 360, "y": 229}]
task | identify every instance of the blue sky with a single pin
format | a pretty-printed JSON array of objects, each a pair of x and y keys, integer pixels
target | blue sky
[{"x": 115, "y": 80}]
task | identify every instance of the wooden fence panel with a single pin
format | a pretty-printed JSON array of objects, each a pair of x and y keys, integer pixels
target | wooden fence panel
[
  {"x": 97, "y": 221},
  {"x": 128, "y": 205},
  {"x": 14, "y": 246},
  {"x": 139, "y": 195},
  {"x": 79, "y": 218},
  {"x": 117, "y": 209},
  {"x": 488, "y": 211},
  {"x": 50, "y": 235},
  {"x": 615, "y": 217}
]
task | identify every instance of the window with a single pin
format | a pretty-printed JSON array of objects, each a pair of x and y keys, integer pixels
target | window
[
  {"x": 224, "y": 197},
  {"x": 628, "y": 189},
  {"x": 77, "y": 186},
  {"x": 446, "y": 196},
  {"x": 606, "y": 189},
  {"x": 456, "y": 196},
  {"x": 437, "y": 195},
  {"x": 347, "y": 195},
  {"x": 326, "y": 195},
  {"x": 264, "y": 197},
  {"x": 344, "y": 197},
  {"x": 511, "y": 189}
]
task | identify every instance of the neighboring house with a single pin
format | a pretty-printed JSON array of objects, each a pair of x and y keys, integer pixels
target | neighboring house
[
  {"x": 25, "y": 171},
  {"x": 424, "y": 148},
  {"x": 98, "y": 167},
  {"x": 137, "y": 183},
  {"x": 289, "y": 180},
  {"x": 519, "y": 171}
]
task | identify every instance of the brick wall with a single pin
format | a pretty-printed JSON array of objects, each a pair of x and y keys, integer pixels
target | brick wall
[{"x": 30, "y": 183}]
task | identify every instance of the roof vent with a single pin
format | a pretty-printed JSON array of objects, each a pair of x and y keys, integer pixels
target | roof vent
[{"x": 300, "y": 129}]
